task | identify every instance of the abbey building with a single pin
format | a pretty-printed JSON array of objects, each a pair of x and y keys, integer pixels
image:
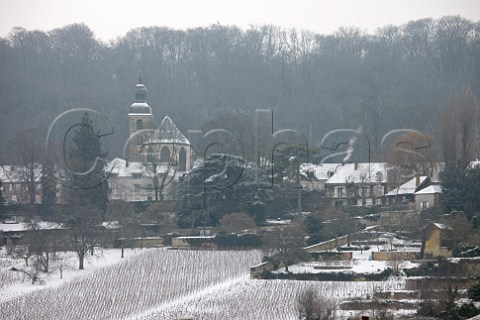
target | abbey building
[{"x": 155, "y": 155}]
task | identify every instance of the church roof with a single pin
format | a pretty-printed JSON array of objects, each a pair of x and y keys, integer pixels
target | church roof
[{"x": 167, "y": 132}]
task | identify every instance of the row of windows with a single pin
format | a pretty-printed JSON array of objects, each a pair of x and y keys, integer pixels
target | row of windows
[
  {"x": 368, "y": 202},
  {"x": 165, "y": 156},
  {"x": 14, "y": 198},
  {"x": 341, "y": 191}
]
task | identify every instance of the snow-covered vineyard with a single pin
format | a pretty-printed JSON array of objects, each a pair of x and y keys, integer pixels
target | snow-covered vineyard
[
  {"x": 260, "y": 299},
  {"x": 168, "y": 284}
]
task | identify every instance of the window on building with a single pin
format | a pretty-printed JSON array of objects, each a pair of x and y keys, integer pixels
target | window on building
[
  {"x": 338, "y": 203},
  {"x": 139, "y": 124},
  {"x": 364, "y": 191},
  {"x": 136, "y": 187},
  {"x": 378, "y": 190},
  {"x": 339, "y": 192},
  {"x": 165, "y": 155},
  {"x": 379, "y": 176},
  {"x": 330, "y": 173},
  {"x": 139, "y": 140},
  {"x": 182, "y": 160},
  {"x": 378, "y": 202},
  {"x": 424, "y": 204}
]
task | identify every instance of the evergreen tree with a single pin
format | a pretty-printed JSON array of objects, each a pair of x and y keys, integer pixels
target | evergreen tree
[
  {"x": 453, "y": 188},
  {"x": 472, "y": 205},
  {"x": 82, "y": 216},
  {"x": 461, "y": 188},
  {"x": 223, "y": 184},
  {"x": 89, "y": 180}
]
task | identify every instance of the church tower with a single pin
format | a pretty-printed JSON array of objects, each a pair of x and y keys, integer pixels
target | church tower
[{"x": 141, "y": 122}]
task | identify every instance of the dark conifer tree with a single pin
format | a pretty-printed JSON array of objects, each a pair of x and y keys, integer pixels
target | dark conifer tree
[{"x": 89, "y": 180}]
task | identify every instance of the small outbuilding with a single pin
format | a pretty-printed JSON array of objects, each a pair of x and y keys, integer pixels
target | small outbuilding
[{"x": 436, "y": 239}]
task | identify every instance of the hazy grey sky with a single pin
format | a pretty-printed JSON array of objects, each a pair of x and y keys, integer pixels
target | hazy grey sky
[{"x": 112, "y": 18}]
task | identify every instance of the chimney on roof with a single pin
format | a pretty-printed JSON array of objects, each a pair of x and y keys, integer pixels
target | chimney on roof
[
  {"x": 356, "y": 165},
  {"x": 417, "y": 179}
]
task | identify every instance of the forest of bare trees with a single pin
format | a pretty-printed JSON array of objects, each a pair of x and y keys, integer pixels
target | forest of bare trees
[{"x": 398, "y": 77}]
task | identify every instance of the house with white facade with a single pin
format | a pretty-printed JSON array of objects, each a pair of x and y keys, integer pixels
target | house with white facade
[{"x": 358, "y": 184}]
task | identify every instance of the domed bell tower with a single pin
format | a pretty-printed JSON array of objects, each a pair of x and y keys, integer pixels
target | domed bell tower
[{"x": 141, "y": 123}]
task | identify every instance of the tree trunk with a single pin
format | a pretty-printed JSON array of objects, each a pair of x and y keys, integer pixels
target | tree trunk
[{"x": 81, "y": 256}]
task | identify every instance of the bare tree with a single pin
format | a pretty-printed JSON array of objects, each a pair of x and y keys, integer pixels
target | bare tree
[
  {"x": 310, "y": 306},
  {"x": 459, "y": 128},
  {"x": 286, "y": 244},
  {"x": 28, "y": 155},
  {"x": 83, "y": 224},
  {"x": 236, "y": 222},
  {"x": 123, "y": 215},
  {"x": 413, "y": 153}
]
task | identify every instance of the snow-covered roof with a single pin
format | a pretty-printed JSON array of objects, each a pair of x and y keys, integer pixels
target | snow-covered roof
[
  {"x": 140, "y": 108},
  {"x": 22, "y": 226},
  {"x": 430, "y": 189},
  {"x": 119, "y": 168},
  {"x": 167, "y": 132},
  {"x": 18, "y": 173},
  {"x": 438, "y": 225},
  {"x": 320, "y": 171},
  {"x": 360, "y": 172},
  {"x": 474, "y": 164},
  {"x": 408, "y": 187}
]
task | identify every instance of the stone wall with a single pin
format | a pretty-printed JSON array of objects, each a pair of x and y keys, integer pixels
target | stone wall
[
  {"x": 394, "y": 255},
  {"x": 327, "y": 245}
]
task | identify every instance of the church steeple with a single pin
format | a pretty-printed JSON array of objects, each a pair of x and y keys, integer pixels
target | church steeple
[
  {"x": 141, "y": 121},
  {"x": 140, "y": 90},
  {"x": 140, "y": 104}
]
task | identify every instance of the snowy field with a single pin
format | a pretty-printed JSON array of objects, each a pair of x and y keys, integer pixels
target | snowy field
[{"x": 171, "y": 284}]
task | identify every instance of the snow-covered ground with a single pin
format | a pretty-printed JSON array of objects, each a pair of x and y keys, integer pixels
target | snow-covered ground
[
  {"x": 361, "y": 262},
  {"x": 173, "y": 284},
  {"x": 132, "y": 286},
  {"x": 22, "y": 284}
]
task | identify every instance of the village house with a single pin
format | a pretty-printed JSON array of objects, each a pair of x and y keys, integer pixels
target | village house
[
  {"x": 404, "y": 194},
  {"x": 21, "y": 184},
  {"x": 428, "y": 197},
  {"x": 358, "y": 184}
]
